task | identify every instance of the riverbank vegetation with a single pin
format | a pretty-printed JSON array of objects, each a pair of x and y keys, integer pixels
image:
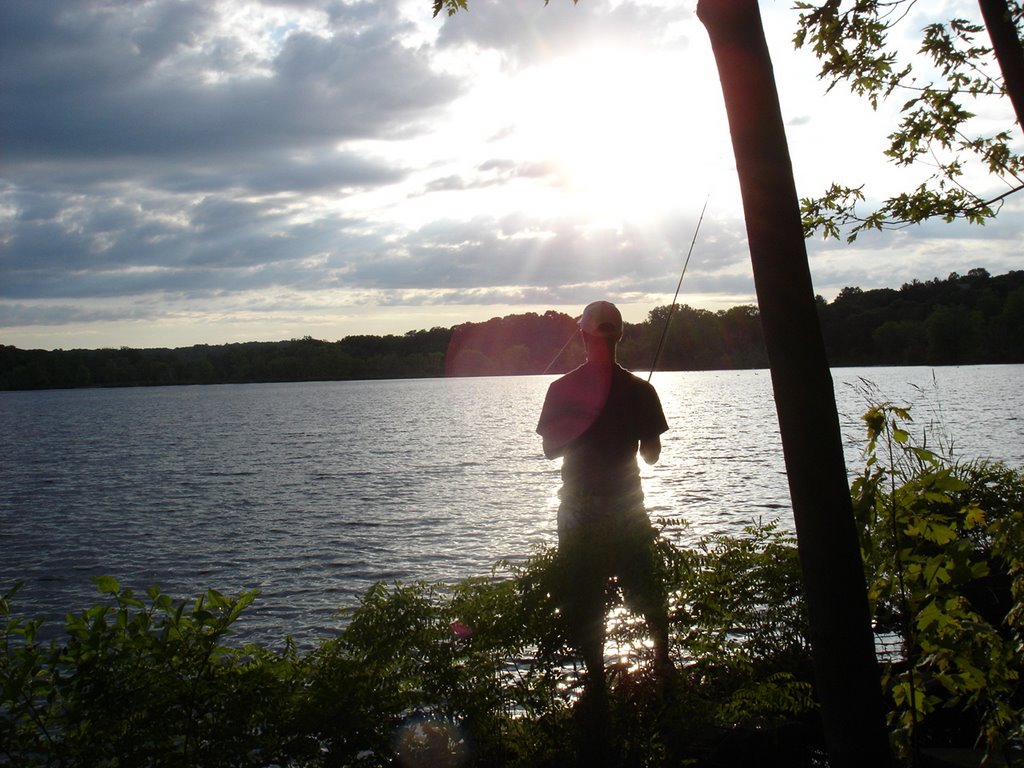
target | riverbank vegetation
[
  {"x": 963, "y": 319},
  {"x": 478, "y": 673}
]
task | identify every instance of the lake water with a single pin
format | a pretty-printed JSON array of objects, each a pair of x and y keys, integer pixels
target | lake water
[{"x": 312, "y": 492}]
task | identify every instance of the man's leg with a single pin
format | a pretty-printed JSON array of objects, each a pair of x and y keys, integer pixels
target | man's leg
[
  {"x": 644, "y": 589},
  {"x": 583, "y": 578},
  {"x": 582, "y": 584},
  {"x": 582, "y": 600}
]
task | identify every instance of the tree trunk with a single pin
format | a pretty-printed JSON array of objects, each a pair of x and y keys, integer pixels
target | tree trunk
[
  {"x": 846, "y": 669},
  {"x": 1008, "y": 50}
]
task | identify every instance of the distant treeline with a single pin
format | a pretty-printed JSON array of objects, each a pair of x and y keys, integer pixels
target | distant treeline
[{"x": 964, "y": 319}]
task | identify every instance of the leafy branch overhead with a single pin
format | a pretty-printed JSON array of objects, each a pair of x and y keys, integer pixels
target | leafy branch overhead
[
  {"x": 454, "y": 6},
  {"x": 961, "y": 68}
]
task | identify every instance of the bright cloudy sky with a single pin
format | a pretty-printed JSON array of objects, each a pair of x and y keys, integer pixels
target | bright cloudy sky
[{"x": 175, "y": 172}]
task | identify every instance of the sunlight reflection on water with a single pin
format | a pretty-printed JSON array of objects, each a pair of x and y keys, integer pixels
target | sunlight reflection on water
[{"x": 312, "y": 492}]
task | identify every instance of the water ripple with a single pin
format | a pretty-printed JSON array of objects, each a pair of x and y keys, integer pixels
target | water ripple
[{"x": 312, "y": 492}]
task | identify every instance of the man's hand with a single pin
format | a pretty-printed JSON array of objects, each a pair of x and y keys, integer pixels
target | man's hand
[
  {"x": 553, "y": 448},
  {"x": 650, "y": 450}
]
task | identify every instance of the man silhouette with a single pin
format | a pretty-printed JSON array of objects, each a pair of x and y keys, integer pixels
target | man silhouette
[{"x": 597, "y": 418}]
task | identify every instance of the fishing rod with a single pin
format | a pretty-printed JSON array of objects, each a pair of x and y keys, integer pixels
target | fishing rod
[
  {"x": 559, "y": 353},
  {"x": 668, "y": 320},
  {"x": 672, "y": 308}
]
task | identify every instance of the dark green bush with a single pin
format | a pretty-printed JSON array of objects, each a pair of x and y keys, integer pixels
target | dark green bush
[
  {"x": 476, "y": 673},
  {"x": 943, "y": 545}
]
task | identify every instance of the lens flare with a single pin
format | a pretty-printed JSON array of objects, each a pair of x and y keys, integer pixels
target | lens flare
[{"x": 422, "y": 742}]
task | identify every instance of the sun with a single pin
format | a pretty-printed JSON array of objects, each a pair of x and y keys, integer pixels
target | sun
[{"x": 624, "y": 130}]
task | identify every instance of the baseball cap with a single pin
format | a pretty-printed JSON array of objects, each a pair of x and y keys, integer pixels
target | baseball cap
[{"x": 601, "y": 318}]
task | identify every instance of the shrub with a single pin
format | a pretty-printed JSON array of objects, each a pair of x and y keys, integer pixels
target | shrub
[
  {"x": 942, "y": 545},
  {"x": 476, "y": 673},
  {"x": 131, "y": 683}
]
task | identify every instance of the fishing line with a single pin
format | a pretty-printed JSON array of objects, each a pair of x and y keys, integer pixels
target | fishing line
[
  {"x": 675, "y": 298},
  {"x": 559, "y": 353},
  {"x": 672, "y": 308}
]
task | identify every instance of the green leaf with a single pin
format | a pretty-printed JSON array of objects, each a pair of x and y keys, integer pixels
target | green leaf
[
  {"x": 107, "y": 585},
  {"x": 924, "y": 455},
  {"x": 930, "y": 615}
]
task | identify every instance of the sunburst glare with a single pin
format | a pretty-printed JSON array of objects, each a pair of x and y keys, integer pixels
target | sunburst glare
[{"x": 620, "y": 128}]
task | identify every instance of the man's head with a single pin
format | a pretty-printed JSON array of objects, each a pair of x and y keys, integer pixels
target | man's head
[
  {"x": 601, "y": 324},
  {"x": 602, "y": 319}
]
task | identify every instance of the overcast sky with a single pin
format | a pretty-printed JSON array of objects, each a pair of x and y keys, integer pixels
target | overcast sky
[{"x": 175, "y": 172}]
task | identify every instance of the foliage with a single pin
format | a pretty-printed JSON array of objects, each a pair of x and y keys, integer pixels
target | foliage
[
  {"x": 963, "y": 319},
  {"x": 742, "y": 601},
  {"x": 414, "y": 354},
  {"x": 451, "y": 7},
  {"x": 132, "y": 683},
  {"x": 475, "y": 673},
  {"x": 950, "y": 77},
  {"x": 516, "y": 344},
  {"x": 738, "y": 620},
  {"x": 942, "y": 550}
]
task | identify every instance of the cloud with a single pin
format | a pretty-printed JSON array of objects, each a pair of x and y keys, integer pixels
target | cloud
[
  {"x": 492, "y": 173},
  {"x": 201, "y": 165},
  {"x": 149, "y": 148},
  {"x": 162, "y": 81}
]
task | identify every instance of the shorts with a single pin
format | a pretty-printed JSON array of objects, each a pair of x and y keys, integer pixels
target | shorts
[
  {"x": 600, "y": 538},
  {"x": 602, "y": 517}
]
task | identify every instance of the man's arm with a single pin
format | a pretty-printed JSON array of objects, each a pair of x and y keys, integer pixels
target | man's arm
[
  {"x": 650, "y": 449},
  {"x": 558, "y": 433},
  {"x": 563, "y": 419}
]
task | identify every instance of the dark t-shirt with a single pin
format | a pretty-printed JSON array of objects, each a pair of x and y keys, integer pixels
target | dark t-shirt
[{"x": 601, "y": 413}]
